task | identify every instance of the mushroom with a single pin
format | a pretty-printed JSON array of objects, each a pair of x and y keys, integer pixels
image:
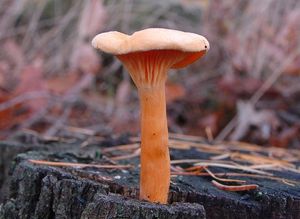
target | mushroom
[{"x": 148, "y": 55}]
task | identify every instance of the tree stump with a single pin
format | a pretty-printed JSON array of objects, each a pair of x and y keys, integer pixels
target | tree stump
[
  {"x": 41, "y": 191},
  {"x": 31, "y": 141},
  {"x": 21, "y": 143},
  {"x": 50, "y": 192}
]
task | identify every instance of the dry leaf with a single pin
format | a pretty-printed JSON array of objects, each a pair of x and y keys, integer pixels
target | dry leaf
[
  {"x": 11, "y": 116},
  {"x": 62, "y": 83},
  {"x": 31, "y": 80}
]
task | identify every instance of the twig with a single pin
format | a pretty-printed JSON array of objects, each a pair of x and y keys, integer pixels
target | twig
[
  {"x": 201, "y": 160},
  {"x": 182, "y": 137},
  {"x": 234, "y": 188},
  {"x": 136, "y": 153},
  {"x": 220, "y": 157},
  {"x": 259, "y": 159},
  {"x": 282, "y": 180},
  {"x": 183, "y": 173},
  {"x": 33, "y": 23},
  {"x": 176, "y": 168},
  {"x": 216, "y": 149},
  {"x": 81, "y": 130},
  {"x": 228, "y": 128},
  {"x": 237, "y": 167},
  {"x": 79, "y": 165},
  {"x": 121, "y": 147},
  {"x": 185, "y": 161},
  {"x": 22, "y": 98},
  {"x": 195, "y": 168},
  {"x": 209, "y": 134},
  {"x": 223, "y": 179},
  {"x": 274, "y": 76}
]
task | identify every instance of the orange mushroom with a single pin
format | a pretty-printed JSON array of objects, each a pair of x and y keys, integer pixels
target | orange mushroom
[{"x": 148, "y": 55}]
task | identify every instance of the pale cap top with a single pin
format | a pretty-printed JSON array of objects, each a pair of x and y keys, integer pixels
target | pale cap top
[{"x": 150, "y": 39}]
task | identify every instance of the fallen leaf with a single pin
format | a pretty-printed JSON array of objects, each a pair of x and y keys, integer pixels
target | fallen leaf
[
  {"x": 62, "y": 83},
  {"x": 11, "y": 116},
  {"x": 32, "y": 80}
]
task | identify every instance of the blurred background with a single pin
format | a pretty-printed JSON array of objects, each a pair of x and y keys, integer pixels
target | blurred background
[{"x": 246, "y": 88}]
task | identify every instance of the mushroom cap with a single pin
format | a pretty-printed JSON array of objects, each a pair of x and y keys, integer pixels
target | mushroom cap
[{"x": 153, "y": 39}]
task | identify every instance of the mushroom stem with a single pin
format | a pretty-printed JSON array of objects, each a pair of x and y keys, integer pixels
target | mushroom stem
[
  {"x": 155, "y": 159},
  {"x": 148, "y": 55}
]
